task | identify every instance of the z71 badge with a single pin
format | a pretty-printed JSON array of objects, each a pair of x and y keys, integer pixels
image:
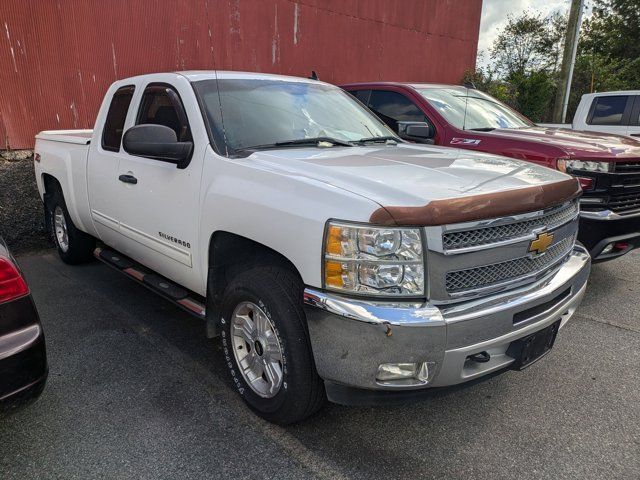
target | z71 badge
[{"x": 464, "y": 141}]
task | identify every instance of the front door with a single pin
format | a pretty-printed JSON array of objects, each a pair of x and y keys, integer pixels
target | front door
[{"x": 159, "y": 214}]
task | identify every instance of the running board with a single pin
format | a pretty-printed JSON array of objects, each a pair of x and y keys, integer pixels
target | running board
[{"x": 185, "y": 299}]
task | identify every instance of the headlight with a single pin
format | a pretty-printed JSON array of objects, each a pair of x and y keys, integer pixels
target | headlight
[
  {"x": 373, "y": 260},
  {"x": 586, "y": 166}
]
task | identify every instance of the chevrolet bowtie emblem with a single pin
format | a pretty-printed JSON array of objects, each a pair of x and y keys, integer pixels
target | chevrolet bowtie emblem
[{"x": 541, "y": 243}]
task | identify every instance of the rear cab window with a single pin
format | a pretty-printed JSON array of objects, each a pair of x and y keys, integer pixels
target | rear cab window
[
  {"x": 116, "y": 116},
  {"x": 610, "y": 110}
]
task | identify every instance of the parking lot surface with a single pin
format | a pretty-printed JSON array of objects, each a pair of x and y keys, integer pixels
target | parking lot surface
[{"x": 137, "y": 391}]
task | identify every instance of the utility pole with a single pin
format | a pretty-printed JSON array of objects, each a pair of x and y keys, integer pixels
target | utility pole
[{"x": 568, "y": 61}]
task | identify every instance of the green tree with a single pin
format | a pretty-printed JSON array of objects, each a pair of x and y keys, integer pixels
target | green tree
[
  {"x": 526, "y": 56},
  {"x": 609, "y": 50}
]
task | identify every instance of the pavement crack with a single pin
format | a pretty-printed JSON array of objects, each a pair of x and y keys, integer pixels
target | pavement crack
[{"x": 604, "y": 322}]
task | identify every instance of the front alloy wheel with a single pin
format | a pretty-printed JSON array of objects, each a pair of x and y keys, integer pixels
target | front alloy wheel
[{"x": 256, "y": 349}]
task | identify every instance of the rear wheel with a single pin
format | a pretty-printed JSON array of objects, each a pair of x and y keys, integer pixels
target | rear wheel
[
  {"x": 74, "y": 246},
  {"x": 266, "y": 345}
]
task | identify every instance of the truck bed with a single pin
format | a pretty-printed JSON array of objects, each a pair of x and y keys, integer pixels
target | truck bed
[{"x": 79, "y": 137}]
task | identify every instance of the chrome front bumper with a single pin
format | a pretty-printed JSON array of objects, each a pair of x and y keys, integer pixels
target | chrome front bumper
[{"x": 351, "y": 338}]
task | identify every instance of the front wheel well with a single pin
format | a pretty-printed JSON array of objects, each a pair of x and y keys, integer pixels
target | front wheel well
[{"x": 230, "y": 254}]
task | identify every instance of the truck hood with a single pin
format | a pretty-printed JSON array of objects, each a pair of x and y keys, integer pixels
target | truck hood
[
  {"x": 407, "y": 174},
  {"x": 576, "y": 144}
]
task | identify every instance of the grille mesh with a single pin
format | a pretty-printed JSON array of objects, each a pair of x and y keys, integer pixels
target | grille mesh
[
  {"x": 625, "y": 203},
  {"x": 627, "y": 167},
  {"x": 487, "y": 275},
  {"x": 483, "y": 236}
]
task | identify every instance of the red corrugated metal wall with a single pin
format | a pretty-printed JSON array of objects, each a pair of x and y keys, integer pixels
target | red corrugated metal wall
[{"x": 57, "y": 58}]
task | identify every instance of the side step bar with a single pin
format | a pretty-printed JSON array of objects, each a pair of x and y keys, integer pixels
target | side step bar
[{"x": 185, "y": 299}]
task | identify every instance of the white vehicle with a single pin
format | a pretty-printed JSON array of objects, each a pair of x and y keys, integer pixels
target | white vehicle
[
  {"x": 331, "y": 258},
  {"x": 607, "y": 112}
]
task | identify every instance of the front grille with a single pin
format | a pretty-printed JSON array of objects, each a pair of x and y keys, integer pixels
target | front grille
[
  {"x": 488, "y": 235},
  {"x": 624, "y": 203},
  {"x": 488, "y": 275},
  {"x": 627, "y": 167}
]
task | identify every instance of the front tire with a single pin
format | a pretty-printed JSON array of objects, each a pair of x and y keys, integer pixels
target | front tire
[
  {"x": 266, "y": 345},
  {"x": 73, "y": 245}
]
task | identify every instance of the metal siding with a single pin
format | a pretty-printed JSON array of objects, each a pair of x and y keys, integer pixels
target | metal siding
[{"x": 58, "y": 58}]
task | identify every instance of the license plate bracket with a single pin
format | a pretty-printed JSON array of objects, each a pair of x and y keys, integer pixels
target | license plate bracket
[{"x": 528, "y": 350}]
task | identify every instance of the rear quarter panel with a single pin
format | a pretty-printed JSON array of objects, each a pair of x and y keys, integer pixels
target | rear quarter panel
[{"x": 67, "y": 163}]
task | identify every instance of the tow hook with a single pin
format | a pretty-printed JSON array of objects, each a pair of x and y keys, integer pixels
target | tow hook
[{"x": 482, "y": 357}]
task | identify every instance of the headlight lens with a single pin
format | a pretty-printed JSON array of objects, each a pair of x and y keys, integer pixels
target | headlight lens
[
  {"x": 586, "y": 166},
  {"x": 373, "y": 260}
]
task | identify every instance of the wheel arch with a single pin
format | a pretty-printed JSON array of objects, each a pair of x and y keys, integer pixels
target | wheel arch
[{"x": 229, "y": 254}]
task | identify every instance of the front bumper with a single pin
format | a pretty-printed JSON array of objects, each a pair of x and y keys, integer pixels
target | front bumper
[
  {"x": 599, "y": 229},
  {"x": 351, "y": 338}
]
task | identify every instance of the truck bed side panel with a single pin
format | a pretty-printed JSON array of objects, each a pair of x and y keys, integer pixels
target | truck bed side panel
[{"x": 66, "y": 161}]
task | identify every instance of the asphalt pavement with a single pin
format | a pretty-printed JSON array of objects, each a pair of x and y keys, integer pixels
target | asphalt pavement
[{"x": 136, "y": 390}]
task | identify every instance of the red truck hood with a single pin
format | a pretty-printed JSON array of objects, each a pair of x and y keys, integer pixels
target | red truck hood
[{"x": 577, "y": 144}]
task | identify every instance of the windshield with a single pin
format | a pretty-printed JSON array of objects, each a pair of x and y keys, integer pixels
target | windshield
[
  {"x": 254, "y": 112},
  {"x": 483, "y": 112}
]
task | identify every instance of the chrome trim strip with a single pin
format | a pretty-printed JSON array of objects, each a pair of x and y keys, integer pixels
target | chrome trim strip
[
  {"x": 18, "y": 341},
  {"x": 606, "y": 215},
  {"x": 408, "y": 314}
]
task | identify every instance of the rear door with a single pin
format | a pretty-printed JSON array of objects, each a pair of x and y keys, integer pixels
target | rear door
[
  {"x": 102, "y": 168},
  {"x": 159, "y": 215}
]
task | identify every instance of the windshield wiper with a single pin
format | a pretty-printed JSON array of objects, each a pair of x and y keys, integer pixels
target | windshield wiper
[
  {"x": 315, "y": 141},
  {"x": 362, "y": 141},
  {"x": 482, "y": 129}
]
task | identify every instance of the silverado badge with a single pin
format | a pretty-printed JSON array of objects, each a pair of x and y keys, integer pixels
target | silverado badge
[{"x": 541, "y": 243}]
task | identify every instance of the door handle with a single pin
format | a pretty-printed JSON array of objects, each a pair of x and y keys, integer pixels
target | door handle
[
  {"x": 128, "y": 179},
  {"x": 635, "y": 134}
]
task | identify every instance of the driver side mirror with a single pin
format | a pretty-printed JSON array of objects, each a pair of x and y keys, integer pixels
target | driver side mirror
[
  {"x": 420, "y": 132},
  {"x": 157, "y": 142}
]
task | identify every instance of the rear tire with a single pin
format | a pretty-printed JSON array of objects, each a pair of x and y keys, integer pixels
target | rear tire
[
  {"x": 266, "y": 345},
  {"x": 73, "y": 245}
]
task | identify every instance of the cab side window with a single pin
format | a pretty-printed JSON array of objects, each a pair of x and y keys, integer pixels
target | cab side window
[
  {"x": 608, "y": 110},
  {"x": 362, "y": 95},
  {"x": 393, "y": 107},
  {"x": 116, "y": 116},
  {"x": 161, "y": 105}
]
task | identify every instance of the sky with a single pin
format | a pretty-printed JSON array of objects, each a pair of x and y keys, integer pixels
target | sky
[{"x": 494, "y": 17}]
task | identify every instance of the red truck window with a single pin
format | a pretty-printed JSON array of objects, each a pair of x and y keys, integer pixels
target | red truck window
[
  {"x": 116, "y": 116},
  {"x": 393, "y": 107}
]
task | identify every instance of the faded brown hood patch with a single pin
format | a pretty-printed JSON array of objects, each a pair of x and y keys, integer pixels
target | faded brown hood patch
[{"x": 479, "y": 207}]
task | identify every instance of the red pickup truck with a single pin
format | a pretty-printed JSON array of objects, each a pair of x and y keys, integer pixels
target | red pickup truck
[{"x": 608, "y": 166}]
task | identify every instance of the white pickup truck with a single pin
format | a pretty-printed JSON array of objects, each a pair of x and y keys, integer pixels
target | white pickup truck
[
  {"x": 330, "y": 257},
  {"x": 607, "y": 112}
]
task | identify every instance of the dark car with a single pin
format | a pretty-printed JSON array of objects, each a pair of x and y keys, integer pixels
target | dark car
[
  {"x": 607, "y": 166},
  {"x": 23, "y": 357}
]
